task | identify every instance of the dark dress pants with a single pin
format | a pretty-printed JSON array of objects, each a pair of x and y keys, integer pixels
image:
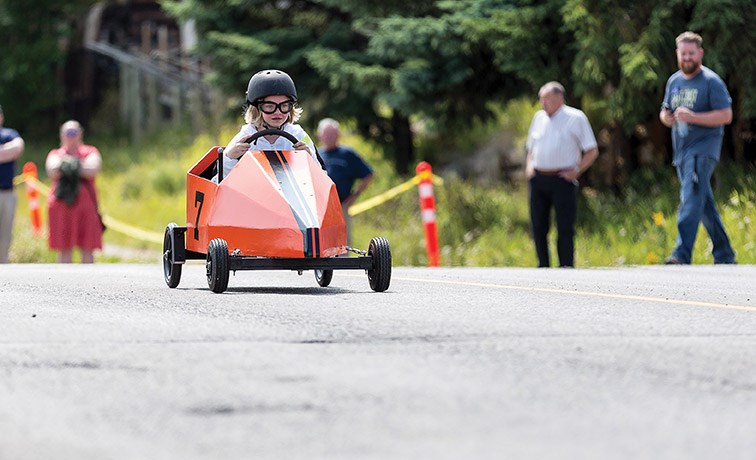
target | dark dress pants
[{"x": 545, "y": 193}]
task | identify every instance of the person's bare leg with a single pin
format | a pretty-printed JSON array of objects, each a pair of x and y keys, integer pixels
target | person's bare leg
[
  {"x": 87, "y": 256},
  {"x": 65, "y": 256}
]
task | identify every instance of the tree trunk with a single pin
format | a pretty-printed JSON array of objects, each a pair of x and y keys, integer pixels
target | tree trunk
[
  {"x": 404, "y": 150},
  {"x": 738, "y": 128},
  {"x": 624, "y": 160}
]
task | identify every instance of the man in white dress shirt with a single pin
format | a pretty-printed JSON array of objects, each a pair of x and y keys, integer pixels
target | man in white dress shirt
[{"x": 561, "y": 146}]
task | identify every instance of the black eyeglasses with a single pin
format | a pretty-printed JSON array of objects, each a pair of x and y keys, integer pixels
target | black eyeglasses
[{"x": 270, "y": 107}]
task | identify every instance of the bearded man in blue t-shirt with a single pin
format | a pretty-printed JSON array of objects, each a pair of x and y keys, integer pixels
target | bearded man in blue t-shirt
[
  {"x": 344, "y": 167},
  {"x": 696, "y": 106}
]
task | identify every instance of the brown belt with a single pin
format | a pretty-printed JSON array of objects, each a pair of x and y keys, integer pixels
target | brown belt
[{"x": 542, "y": 172}]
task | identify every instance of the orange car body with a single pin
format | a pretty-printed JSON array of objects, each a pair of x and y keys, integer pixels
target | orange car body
[{"x": 274, "y": 204}]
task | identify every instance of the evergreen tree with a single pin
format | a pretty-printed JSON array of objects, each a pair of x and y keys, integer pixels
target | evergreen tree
[
  {"x": 444, "y": 61},
  {"x": 36, "y": 34},
  {"x": 321, "y": 44}
]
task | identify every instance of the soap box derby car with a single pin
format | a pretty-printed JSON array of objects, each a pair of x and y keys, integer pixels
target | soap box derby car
[{"x": 276, "y": 210}]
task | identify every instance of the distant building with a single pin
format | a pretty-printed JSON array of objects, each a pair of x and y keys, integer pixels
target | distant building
[{"x": 134, "y": 53}]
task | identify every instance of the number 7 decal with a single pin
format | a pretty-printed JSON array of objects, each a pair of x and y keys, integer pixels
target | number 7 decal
[{"x": 199, "y": 197}]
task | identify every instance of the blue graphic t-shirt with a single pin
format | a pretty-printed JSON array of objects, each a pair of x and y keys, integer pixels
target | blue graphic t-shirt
[
  {"x": 7, "y": 169},
  {"x": 702, "y": 93}
]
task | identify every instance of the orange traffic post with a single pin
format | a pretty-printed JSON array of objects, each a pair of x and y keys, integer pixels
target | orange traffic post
[
  {"x": 428, "y": 211},
  {"x": 32, "y": 195}
]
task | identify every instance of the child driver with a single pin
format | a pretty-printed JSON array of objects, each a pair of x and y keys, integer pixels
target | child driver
[{"x": 271, "y": 103}]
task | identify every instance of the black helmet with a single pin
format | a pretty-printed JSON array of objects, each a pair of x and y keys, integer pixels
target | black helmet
[{"x": 269, "y": 83}]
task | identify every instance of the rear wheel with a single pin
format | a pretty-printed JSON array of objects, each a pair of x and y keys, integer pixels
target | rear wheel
[
  {"x": 323, "y": 277},
  {"x": 379, "y": 275},
  {"x": 217, "y": 265},
  {"x": 171, "y": 271}
]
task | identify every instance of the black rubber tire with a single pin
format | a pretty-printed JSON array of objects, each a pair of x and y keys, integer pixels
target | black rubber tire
[
  {"x": 171, "y": 271},
  {"x": 323, "y": 277},
  {"x": 217, "y": 265},
  {"x": 380, "y": 275}
]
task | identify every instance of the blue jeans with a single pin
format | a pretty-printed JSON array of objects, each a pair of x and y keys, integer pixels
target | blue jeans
[{"x": 697, "y": 206}]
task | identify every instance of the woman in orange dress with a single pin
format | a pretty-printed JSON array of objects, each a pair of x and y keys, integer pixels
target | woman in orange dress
[{"x": 73, "y": 216}]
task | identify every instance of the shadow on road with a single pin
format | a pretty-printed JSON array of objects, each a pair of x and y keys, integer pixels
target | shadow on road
[{"x": 304, "y": 291}]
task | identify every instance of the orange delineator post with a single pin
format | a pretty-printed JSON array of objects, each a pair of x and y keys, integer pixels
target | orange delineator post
[
  {"x": 32, "y": 195},
  {"x": 428, "y": 211}
]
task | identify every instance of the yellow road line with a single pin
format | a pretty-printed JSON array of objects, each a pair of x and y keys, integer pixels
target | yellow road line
[{"x": 693, "y": 303}]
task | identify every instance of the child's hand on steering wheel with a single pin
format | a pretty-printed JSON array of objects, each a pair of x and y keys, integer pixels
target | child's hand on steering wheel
[
  {"x": 302, "y": 146},
  {"x": 237, "y": 149}
]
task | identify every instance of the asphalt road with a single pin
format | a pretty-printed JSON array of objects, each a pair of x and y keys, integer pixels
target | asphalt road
[{"x": 106, "y": 362}]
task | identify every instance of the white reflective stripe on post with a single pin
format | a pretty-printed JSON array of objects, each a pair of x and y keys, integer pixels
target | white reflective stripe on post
[
  {"x": 429, "y": 215},
  {"x": 425, "y": 190}
]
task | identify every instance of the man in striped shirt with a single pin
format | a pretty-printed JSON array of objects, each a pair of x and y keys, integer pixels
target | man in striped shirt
[{"x": 561, "y": 146}]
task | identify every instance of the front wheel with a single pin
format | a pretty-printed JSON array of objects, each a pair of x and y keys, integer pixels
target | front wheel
[
  {"x": 217, "y": 265},
  {"x": 323, "y": 277},
  {"x": 171, "y": 271},
  {"x": 379, "y": 275}
]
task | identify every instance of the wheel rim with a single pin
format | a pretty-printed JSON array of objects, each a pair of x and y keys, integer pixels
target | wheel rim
[
  {"x": 167, "y": 252},
  {"x": 171, "y": 271}
]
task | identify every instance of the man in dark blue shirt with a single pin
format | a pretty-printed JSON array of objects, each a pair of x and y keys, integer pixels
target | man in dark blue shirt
[
  {"x": 11, "y": 147},
  {"x": 344, "y": 167},
  {"x": 696, "y": 106}
]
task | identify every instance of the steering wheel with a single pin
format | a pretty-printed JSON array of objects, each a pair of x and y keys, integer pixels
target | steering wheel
[
  {"x": 271, "y": 131},
  {"x": 290, "y": 137},
  {"x": 258, "y": 134}
]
